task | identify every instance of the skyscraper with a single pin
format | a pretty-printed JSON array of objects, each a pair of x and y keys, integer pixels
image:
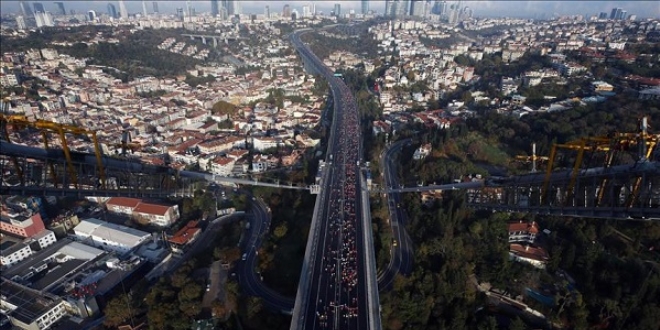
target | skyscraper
[
  {"x": 189, "y": 9},
  {"x": 417, "y": 8},
  {"x": 337, "y": 10},
  {"x": 144, "y": 8},
  {"x": 388, "y": 8},
  {"x": 405, "y": 8},
  {"x": 215, "y": 7},
  {"x": 365, "y": 7},
  {"x": 38, "y": 7},
  {"x": 43, "y": 19},
  {"x": 234, "y": 7},
  {"x": 155, "y": 5},
  {"x": 286, "y": 11},
  {"x": 60, "y": 8},
  {"x": 112, "y": 11},
  {"x": 26, "y": 10},
  {"x": 20, "y": 22},
  {"x": 621, "y": 15},
  {"x": 613, "y": 14},
  {"x": 91, "y": 16},
  {"x": 123, "y": 13},
  {"x": 180, "y": 14},
  {"x": 267, "y": 12}
]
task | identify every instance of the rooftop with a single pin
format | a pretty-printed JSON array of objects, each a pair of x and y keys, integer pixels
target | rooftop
[
  {"x": 30, "y": 304},
  {"x": 121, "y": 234}
]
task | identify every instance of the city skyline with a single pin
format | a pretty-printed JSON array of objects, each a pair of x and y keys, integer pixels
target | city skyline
[{"x": 489, "y": 8}]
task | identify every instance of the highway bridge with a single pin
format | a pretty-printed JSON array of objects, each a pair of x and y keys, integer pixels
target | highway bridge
[{"x": 338, "y": 287}]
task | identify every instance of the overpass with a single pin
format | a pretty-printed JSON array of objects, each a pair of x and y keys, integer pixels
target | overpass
[{"x": 214, "y": 39}]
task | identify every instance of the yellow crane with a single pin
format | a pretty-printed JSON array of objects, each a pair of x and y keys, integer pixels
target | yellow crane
[
  {"x": 610, "y": 145},
  {"x": 534, "y": 159},
  {"x": 45, "y": 127}
]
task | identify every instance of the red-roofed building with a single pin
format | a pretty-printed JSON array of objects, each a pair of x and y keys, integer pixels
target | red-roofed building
[
  {"x": 122, "y": 205},
  {"x": 184, "y": 237},
  {"x": 158, "y": 215},
  {"x": 523, "y": 232},
  {"x": 534, "y": 256}
]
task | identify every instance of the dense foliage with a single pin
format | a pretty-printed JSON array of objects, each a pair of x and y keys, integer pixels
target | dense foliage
[{"x": 137, "y": 56}]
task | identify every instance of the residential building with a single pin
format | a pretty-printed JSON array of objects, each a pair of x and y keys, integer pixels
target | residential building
[
  {"x": 534, "y": 256},
  {"x": 155, "y": 214},
  {"x": 159, "y": 215},
  {"x": 523, "y": 231},
  {"x": 23, "y": 224},
  {"x": 13, "y": 251},
  {"x": 422, "y": 152},
  {"x": 30, "y": 309},
  {"x": 601, "y": 86},
  {"x": 184, "y": 237},
  {"x": 222, "y": 166}
]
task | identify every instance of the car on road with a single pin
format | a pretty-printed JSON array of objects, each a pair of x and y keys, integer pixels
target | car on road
[
  {"x": 395, "y": 243},
  {"x": 244, "y": 257}
]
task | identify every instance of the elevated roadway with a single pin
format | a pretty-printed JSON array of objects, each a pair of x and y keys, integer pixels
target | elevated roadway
[{"x": 338, "y": 287}]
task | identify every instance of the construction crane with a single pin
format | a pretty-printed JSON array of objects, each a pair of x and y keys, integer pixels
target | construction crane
[
  {"x": 532, "y": 159},
  {"x": 18, "y": 122},
  {"x": 611, "y": 145}
]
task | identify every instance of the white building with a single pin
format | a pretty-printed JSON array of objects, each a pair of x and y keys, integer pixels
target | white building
[
  {"x": 263, "y": 143},
  {"x": 18, "y": 251},
  {"x": 110, "y": 236},
  {"x": 422, "y": 152}
]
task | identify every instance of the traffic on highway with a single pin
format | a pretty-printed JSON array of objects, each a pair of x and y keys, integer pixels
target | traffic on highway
[{"x": 337, "y": 293}]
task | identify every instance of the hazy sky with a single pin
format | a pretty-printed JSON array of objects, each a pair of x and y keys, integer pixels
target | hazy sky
[{"x": 521, "y": 8}]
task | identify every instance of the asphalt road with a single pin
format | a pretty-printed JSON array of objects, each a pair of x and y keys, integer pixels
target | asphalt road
[
  {"x": 337, "y": 296},
  {"x": 259, "y": 218},
  {"x": 402, "y": 253}
]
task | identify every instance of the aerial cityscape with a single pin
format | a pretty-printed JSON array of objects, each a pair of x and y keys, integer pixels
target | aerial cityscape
[{"x": 399, "y": 164}]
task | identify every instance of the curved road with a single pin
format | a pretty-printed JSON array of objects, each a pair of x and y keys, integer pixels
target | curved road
[
  {"x": 401, "y": 255},
  {"x": 259, "y": 219}
]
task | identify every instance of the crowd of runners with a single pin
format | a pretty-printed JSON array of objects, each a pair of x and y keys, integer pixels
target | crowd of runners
[{"x": 340, "y": 261}]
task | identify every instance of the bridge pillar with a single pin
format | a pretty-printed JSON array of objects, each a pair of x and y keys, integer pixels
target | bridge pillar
[
  {"x": 215, "y": 42},
  {"x": 192, "y": 37},
  {"x": 204, "y": 40},
  {"x": 314, "y": 189}
]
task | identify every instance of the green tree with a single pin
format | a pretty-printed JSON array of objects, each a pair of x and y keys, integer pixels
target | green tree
[
  {"x": 517, "y": 324},
  {"x": 224, "y": 108},
  {"x": 118, "y": 311},
  {"x": 254, "y": 306},
  {"x": 281, "y": 230}
]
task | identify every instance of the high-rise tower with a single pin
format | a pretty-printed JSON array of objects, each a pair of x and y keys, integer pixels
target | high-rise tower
[
  {"x": 365, "y": 7},
  {"x": 123, "y": 13},
  {"x": 38, "y": 7},
  {"x": 60, "y": 8},
  {"x": 215, "y": 7},
  {"x": 112, "y": 10},
  {"x": 26, "y": 9}
]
